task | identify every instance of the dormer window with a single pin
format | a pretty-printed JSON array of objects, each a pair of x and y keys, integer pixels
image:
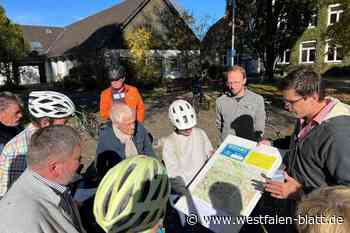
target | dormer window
[
  {"x": 334, "y": 13},
  {"x": 35, "y": 45}
]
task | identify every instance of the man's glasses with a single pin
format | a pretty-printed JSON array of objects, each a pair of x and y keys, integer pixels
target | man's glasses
[{"x": 292, "y": 102}]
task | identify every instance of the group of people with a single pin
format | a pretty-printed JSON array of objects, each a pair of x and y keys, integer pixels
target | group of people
[{"x": 37, "y": 163}]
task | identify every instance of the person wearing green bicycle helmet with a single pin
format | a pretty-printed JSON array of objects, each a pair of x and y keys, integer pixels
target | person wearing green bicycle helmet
[{"x": 132, "y": 196}]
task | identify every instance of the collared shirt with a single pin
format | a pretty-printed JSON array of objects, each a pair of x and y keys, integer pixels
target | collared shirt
[
  {"x": 13, "y": 158},
  {"x": 306, "y": 127},
  {"x": 55, "y": 186},
  {"x": 66, "y": 203}
]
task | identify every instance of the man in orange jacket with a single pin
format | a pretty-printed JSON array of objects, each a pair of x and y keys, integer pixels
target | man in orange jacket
[{"x": 120, "y": 92}]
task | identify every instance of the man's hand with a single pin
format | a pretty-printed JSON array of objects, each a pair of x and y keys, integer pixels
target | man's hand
[
  {"x": 265, "y": 142},
  {"x": 290, "y": 189}
]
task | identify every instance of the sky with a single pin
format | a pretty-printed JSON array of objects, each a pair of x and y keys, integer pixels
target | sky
[{"x": 64, "y": 12}]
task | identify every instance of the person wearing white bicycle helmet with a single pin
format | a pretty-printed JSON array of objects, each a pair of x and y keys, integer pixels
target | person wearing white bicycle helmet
[
  {"x": 132, "y": 196},
  {"x": 184, "y": 153},
  {"x": 45, "y": 108},
  {"x": 188, "y": 147}
]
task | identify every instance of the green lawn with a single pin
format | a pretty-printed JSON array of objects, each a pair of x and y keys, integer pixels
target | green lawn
[{"x": 269, "y": 90}]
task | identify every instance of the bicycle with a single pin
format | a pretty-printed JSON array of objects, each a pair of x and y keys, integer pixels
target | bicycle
[
  {"x": 86, "y": 122},
  {"x": 199, "y": 102}
]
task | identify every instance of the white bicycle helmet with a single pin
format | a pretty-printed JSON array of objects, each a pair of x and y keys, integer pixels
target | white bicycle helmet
[
  {"x": 50, "y": 104},
  {"x": 132, "y": 196},
  {"x": 182, "y": 114}
]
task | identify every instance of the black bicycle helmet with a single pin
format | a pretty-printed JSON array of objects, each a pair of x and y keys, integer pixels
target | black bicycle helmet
[{"x": 116, "y": 73}]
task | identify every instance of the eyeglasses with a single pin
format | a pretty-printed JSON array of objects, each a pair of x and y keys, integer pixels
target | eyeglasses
[{"x": 292, "y": 102}]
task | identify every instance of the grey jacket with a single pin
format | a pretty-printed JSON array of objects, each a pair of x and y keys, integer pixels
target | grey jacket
[
  {"x": 228, "y": 110},
  {"x": 32, "y": 206},
  {"x": 109, "y": 144}
]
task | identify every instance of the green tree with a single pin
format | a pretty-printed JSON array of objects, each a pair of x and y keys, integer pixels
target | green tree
[
  {"x": 271, "y": 26},
  {"x": 12, "y": 45},
  {"x": 182, "y": 31},
  {"x": 143, "y": 67},
  {"x": 339, "y": 33},
  {"x": 163, "y": 29}
]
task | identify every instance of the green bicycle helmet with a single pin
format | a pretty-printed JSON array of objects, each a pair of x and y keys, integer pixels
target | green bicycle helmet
[{"x": 132, "y": 196}]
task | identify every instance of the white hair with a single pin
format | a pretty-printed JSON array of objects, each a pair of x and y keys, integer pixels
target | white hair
[{"x": 119, "y": 111}]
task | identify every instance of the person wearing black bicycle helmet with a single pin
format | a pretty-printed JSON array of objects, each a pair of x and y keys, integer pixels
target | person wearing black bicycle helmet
[
  {"x": 120, "y": 92},
  {"x": 45, "y": 108}
]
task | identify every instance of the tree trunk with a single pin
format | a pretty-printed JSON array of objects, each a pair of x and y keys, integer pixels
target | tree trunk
[
  {"x": 15, "y": 72},
  {"x": 270, "y": 54},
  {"x": 270, "y": 61}
]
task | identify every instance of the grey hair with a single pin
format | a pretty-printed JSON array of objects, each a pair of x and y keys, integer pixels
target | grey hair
[
  {"x": 120, "y": 110},
  {"x": 55, "y": 141},
  {"x": 7, "y": 98}
]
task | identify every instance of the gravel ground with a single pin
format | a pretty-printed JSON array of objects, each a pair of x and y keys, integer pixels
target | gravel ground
[{"x": 279, "y": 122}]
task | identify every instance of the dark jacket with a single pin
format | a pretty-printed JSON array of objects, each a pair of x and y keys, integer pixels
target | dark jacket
[
  {"x": 321, "y": 158},
  {"x": 109, "y": 144}
]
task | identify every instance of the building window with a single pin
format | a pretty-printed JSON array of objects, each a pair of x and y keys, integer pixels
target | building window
[
  {"x": 173, "y": 64},
  {"x": 308, "y": 52},
  {"x": 334, "y": 53},
  {"x": 284, "y": 58},
  {"x": 334, "y": 13},
  {"x": 35, "y": 45},
  {"x": 313, "y": 20}
]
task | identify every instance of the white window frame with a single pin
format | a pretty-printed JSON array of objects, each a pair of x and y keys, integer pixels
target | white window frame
[
  {"x": 308, "y": 54},
  {"x": 282, "y": 60},
  {"x": 170, "y": 63},
  {"x": 338, "y": 12},
  {"x": 312, "y": 16},
  {"x": 335, "y": 54}
]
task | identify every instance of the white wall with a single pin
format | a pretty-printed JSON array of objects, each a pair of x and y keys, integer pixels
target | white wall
[{"x": 56, "y": 70}]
